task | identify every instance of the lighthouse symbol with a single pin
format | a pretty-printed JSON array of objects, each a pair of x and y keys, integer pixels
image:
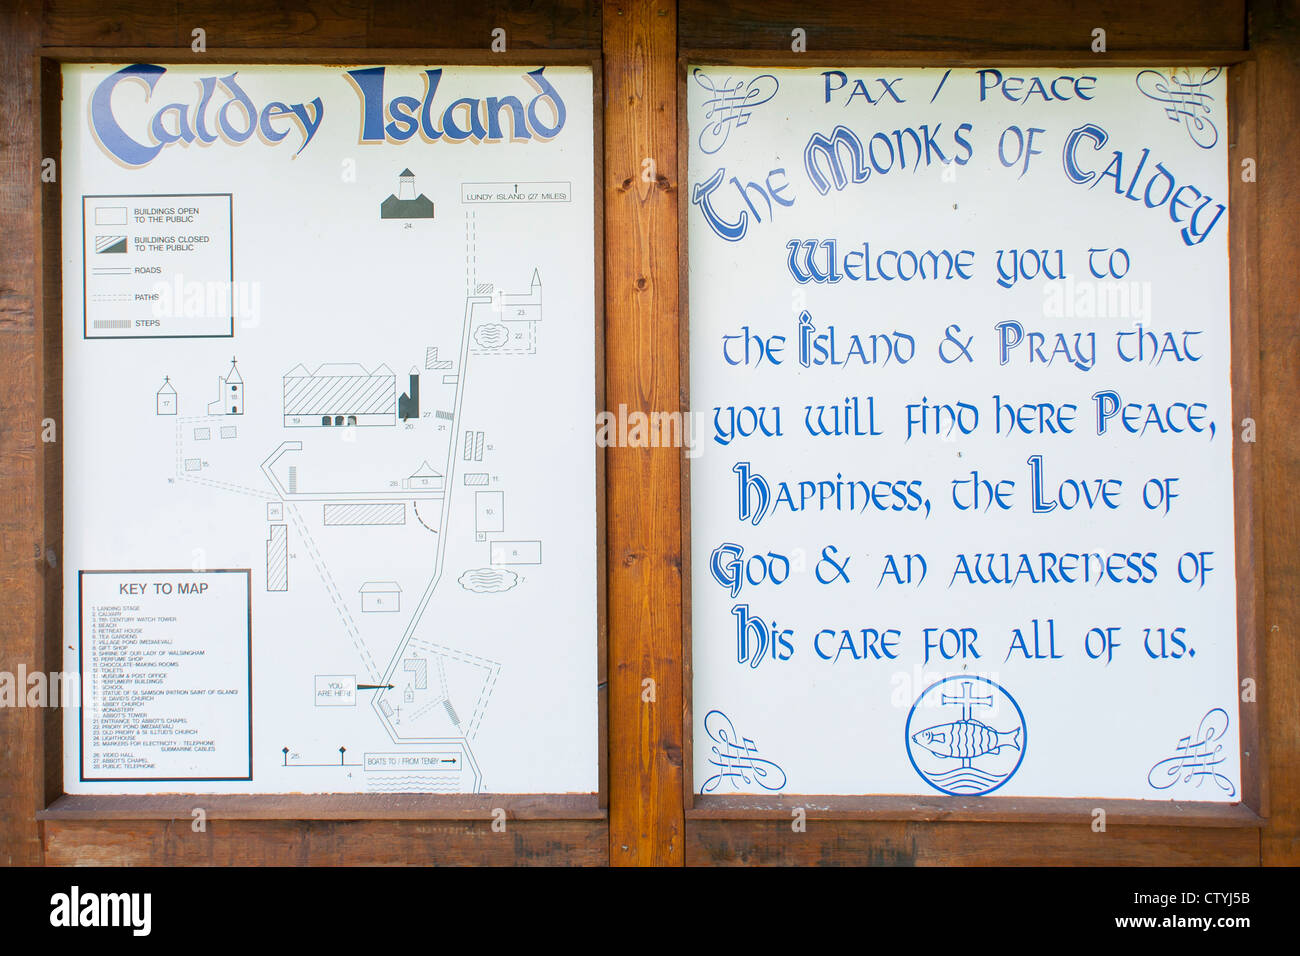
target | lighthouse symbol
[
  {"x": 230, "y": 398},
  {"x": 406, "y": 203}
]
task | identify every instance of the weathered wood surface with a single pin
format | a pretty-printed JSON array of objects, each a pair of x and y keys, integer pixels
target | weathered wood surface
[
  {"x": 356, "y": 843},
  {"x": 1275, "y": 34},
  {"x": 21, "y": 766},
  {"x": 640, "y": 43},
  {"x": 642, "y": 484},
  {"x": 958, "y": 24},
  {"x": 858, "y": 843}
]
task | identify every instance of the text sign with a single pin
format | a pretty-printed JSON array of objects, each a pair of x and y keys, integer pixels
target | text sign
[{"x": 962, "y": 511}]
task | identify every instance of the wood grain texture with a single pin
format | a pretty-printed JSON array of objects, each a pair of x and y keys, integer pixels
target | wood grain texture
[
  {"x": 354, "y": 843},
  {"x": 49, "y": 389},
  {"x": 684, "y": 390},
  {"x": 20, "y": 516},
  {"x": 321, "y": 56},
  {"x": 1275, "y": 34},
  {"x": 271, "y": 24},
  {"x": 299, "y": 806},
  {"x": 840, "y": 843},
  {"x": 640, "y": 43},
  {"x": 642, "y": 492},
  {"x": 968, "y": 57},
  {"x": 572, "y": 24},
  {"x": 1243, "y": 255},
  {"x": 975, "y": 810},
  {"x": 954, "y": 24},
  {"x": 574, "y": 829}
]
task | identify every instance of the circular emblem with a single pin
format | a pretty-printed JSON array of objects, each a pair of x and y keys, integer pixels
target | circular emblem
[{"x": 965, "y": 736}]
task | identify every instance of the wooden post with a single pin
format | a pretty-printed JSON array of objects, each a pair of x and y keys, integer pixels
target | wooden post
[
  {"x": 642, "y": 484},
  {"x": 1275, "y": 35},
  {"x": 21, "y": 545}
]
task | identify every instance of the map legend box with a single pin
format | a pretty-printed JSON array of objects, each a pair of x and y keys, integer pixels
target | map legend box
[
  {"x": 166, "y": 668},
  {"x": 158, "y": 267}
]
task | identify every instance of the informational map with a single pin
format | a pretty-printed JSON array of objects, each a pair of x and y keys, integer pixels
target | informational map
[
  {"x": 962, "y": 513},
  {"x": 329, "y": 478}
]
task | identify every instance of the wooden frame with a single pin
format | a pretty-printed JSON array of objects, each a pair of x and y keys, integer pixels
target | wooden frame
[
  {"x": 1252, "y": 810},
  {"x": 59, "y": 806},
  {"x": 645, "y": 741},
  {"x": 639, "y": 43}
]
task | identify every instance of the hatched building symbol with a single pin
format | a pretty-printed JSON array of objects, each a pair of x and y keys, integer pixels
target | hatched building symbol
[{"x": 338, "y": 395}]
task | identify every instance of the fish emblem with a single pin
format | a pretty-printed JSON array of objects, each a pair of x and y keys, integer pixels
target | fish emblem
[{"x": 965, "y": 739}]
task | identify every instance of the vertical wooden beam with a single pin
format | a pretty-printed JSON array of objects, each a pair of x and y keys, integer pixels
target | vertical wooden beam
[
  {"x": 20, "y": 517},
  {"x": 1243, "y": 254},
  {"x": 1275, "y": 35},
  {"x": 643, "y": 484}
]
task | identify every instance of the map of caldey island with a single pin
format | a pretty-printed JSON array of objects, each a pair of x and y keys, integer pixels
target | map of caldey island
[{"x": 331, "y": 482}]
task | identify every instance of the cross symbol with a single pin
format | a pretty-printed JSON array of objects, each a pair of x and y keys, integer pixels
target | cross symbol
[{"x": 967, "y": 700}]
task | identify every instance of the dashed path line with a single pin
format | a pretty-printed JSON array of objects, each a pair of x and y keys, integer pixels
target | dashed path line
[{"x": 332, "y": 590}]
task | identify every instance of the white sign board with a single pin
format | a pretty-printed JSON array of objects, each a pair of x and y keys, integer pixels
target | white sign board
[
  {"x": 329, "y": 482},
  {"x": 962, "y": 511}
]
